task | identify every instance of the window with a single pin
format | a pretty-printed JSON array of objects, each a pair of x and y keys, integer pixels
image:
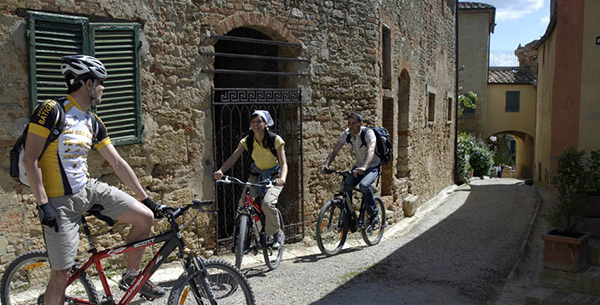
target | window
[
  {"x": 386, "y": 56},
  {"x": 52, "y": 36},
  {"x": 512, "y": 101},
  {"x": 431, "y": 92},
  {"x": 449, "y": 101}
]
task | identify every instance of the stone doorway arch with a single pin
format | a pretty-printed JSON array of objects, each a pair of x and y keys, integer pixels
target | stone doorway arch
[
  {"x": 253, "y": 71},
  {"x": 403, "y": 168}
]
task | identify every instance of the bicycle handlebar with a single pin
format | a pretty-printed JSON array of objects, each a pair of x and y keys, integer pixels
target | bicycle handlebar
[
  {"x": 229, "y": 179},
  {"x": 341, "y": 173},
  {"x": 196, "y": 204}
]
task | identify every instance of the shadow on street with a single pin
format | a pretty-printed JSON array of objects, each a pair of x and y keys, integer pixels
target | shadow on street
[{"x": 459, "y": 253}]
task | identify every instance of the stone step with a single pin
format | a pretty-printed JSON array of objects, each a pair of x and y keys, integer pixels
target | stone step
[
  {"x": 585, "y": 281},
  {"x": 546, "y": 296}
]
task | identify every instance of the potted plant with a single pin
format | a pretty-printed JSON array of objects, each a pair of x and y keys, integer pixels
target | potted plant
[
  {"x": 565, "y": 248},
  {"x": 592, "y": 208}
]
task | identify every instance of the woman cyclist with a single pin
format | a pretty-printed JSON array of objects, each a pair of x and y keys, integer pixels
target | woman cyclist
[{"x": 267, "y": 151}]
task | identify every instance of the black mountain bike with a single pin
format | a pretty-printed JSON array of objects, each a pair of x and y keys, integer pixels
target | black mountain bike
[
  {"x": 249, "y": 230},
  {"x": 211, "y": 281},
  {"x": 337, "y": 217}
]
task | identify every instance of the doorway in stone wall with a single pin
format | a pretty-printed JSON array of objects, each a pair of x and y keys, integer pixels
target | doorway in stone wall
[
  {"x": 387, "y": 173},
  {"x": 252, "y": 71},
  {"x": 403, "y": 169}
]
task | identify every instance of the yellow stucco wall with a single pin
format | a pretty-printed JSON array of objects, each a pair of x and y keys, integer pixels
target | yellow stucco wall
[
  {"x": 474, "y": 38},
  {"x": 589, "y": 118},
  {"x": 498, "y": 120},
  {"x": 545, "y": 82}
]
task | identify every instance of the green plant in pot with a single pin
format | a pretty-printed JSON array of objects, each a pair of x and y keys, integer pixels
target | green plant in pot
[
  {"x": 571, "y": 183},
  {"x": 593, "y": 181},
  {"x": 565, "y": 247}
]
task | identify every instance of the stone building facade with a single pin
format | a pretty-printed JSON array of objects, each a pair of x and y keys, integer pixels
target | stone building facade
[{"x": 395, "y": 61}]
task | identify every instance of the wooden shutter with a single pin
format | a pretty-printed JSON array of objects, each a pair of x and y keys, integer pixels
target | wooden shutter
[
  {"x": 512, "y": 101},
  {"x": 117, "y": 45},
  {"x": 49, "y": 37}
]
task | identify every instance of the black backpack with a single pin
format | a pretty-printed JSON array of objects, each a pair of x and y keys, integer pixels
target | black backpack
[
  {"x": 17, "y": 168},
  {"x": 268, "y": 141},
  {"x": 383, "y": 146}
]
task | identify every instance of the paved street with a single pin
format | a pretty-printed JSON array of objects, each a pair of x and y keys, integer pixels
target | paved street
[
  {"x": 459, "y": 248},
  {"x": 460, "y": 251}
]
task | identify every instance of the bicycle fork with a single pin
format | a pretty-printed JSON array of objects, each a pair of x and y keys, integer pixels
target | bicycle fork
[{"x": 196, "y": 267}]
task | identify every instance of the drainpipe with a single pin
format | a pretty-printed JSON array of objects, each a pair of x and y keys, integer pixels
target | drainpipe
[{"x": 455, "y": 90}]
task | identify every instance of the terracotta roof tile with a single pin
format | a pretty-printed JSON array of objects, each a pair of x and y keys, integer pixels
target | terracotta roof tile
[
  {"x": 511, "y": 75},
  {"x": 473, "y": 6}
]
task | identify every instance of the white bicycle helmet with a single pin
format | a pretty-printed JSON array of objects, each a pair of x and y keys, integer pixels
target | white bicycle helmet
[{"x": 74, "y": 67}]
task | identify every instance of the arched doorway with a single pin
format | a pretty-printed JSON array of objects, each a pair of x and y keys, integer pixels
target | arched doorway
[
  {"x": 250, "y": 73},
  {"x": 403, "y": 169},
  {"x": 516, "y": 150}
]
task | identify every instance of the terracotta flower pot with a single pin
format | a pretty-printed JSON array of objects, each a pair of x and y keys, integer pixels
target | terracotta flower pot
[{"x": 565, "y": 253}]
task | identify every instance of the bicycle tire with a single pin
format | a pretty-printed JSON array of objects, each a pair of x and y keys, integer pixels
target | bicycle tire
[
  {"x": 373, "y": 234},
  {"x": 228, "y": 284},
  {"x": 242, "y": 239},
  {"x": 273, "y": 256},
  {"x": 25, "y": 279},
  {"x": 332, "y": 227}
]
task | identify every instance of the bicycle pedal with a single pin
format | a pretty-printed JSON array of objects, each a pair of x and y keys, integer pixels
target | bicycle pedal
[{"x": 148, "y": 298}]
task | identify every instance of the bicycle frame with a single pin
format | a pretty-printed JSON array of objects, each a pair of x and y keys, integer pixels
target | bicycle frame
[
  {"x": 347, "y": 201},
  {"x": 173, "y": 239},
  {"x": 252, "y": 209}
]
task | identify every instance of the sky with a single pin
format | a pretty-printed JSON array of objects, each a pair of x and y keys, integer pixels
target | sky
[{"x": 517, "y": 22}]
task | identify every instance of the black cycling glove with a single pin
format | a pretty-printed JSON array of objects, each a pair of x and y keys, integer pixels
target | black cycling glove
[
  {"x": 48, "y": 216},
  {"x": 154, "y": 207}
]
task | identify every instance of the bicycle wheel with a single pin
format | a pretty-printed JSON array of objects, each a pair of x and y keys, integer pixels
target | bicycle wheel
[
  {"x": 273, "y": 256},
  {"x": 332, "y": 227},
  {"x": 25, "y": 280},
  {"x": 242, "y": 239},
  {"x": 227, "y": 283},
  {"x": 372, "y": 234}
]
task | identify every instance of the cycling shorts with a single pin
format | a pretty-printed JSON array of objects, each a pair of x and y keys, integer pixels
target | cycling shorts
[{"x": 62, "y": 245}]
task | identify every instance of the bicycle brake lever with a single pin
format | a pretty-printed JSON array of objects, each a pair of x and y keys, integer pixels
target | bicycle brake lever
[{"x": 207, "y": 211}]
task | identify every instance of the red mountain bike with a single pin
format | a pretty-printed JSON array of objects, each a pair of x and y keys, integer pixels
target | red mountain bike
[
  {"x": 211, "y": 281},
  {"x": 249, "y": 231}
]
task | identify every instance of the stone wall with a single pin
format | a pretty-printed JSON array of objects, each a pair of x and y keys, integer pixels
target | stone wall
[{"x": 341, "y": 39}]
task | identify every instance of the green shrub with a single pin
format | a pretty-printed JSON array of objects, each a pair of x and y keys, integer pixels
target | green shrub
[
  {"x": 481, "y": 160},
  {"x": 577, "y": 176},
  {"x": 472, "y": 154},
  {"x": 463, "y": 147}
]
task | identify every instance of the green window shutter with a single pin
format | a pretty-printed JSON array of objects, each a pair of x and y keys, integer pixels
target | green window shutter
[
  {"x": 117, "y": 46},
  {"x": 49, "y": 37},
  {"x": 513, "y": 101}
]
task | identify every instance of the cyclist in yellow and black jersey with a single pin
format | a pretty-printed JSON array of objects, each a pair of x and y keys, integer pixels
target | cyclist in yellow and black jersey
[
  {"x": 61, "y": 183},
  {"x": 64, "y": 162}
]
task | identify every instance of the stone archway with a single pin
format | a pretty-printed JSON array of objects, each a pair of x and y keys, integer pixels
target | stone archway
[
  {"x": 403, "y": 169},
  {"x": 521, "y": 151},
  {"x": 252, "y": 68},
  {"x": 263, "y": 23}
]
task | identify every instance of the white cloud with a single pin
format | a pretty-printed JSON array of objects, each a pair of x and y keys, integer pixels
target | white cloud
[
  {"x": 514, "y": 9},
  {"x": 545, "y": 19}
]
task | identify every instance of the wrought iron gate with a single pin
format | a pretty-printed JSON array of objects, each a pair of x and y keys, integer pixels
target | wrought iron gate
[{"x": 232, "y": 108}]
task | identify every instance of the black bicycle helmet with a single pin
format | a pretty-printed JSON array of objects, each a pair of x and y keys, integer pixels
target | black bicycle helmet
[{"x": 76, "y": 67}]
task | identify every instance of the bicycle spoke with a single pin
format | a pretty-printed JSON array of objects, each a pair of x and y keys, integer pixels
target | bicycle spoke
[
  {"x": 332, "y": 228},
  {"x": 227, "y": 283},
  {"x": 25, "y": 280},
  {"x": 372, "y": 233}
]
